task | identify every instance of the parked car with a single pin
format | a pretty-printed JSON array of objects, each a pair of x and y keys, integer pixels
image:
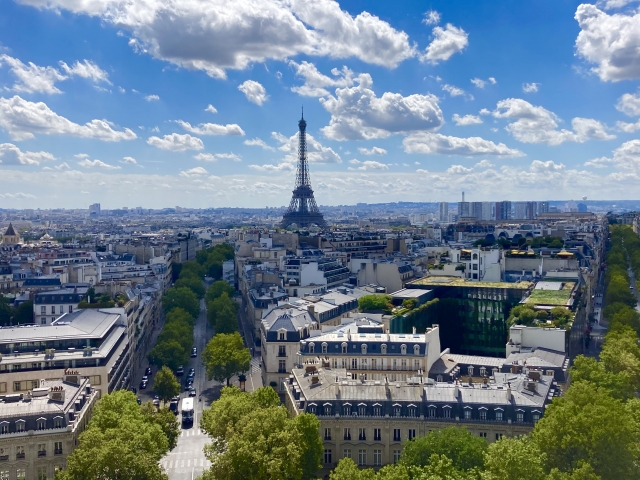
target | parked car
[
  {"x": 180, "y": 371},
  {"x": 190, "y": 377},
  {"x": 194, "y": 352},
  {"x": 147, "y": 371},
  {"x": 145, "y": 379},
  {"x": 173, "y": 406},
  {"x": 192, "y": 392},
  {"x": 187, "y": 386},
  {"x": 192, "y": 371},
  {"x": 143, "y": 384},
  {"x": 156, "y": 401}
]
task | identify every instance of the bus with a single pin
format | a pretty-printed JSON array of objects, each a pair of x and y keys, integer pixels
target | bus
[{"x": 187, "y": 411}]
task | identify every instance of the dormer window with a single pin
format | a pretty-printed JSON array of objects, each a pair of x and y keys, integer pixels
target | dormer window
[
  {"x": 403, "y": 349},
  {"x": 344, "y": 348},
  {"x": 20, "y": 425},
  {"x": 327, "y": 409},
  {"x": 364, "y": 348},
  {"x": 383, "y": 349},
  {"x": 312, "y": 346},
  {"x": 4, "y": 428},
  {"x": 412, "y": 410},
  {"x": 41, "y": 424},
  {"x": 397, "y": 410},
  {"x": 312, "y": 409},
  {"x": 324, "y": 348},
  {"x": 483, "y": 371},
  {"x": 416, "y": 349},
  {"x": 346, "y": 409},
  {"x": 362, "y": 410},
  {"x": 470, "y": 370},
  {"x": 57, "y": 422},
  {"x": 282, "y": 336},
  {"x": 377, "y": 410}
]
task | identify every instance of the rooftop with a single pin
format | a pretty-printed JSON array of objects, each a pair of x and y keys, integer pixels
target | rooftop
[
  {"x": 463, "y": 282},
  {"x": 41, "y": 405},
  {"x": 560, "y": 295}
]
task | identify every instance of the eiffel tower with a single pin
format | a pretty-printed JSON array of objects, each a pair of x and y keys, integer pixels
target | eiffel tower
[{"x": 303, "y": 210}]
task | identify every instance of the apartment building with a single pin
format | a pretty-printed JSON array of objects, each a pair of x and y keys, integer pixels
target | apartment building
[{"x": 51, "y": 304}]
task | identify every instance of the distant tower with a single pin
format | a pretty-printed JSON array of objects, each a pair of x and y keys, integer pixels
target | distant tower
[
  {"x": 463, "y": 196},
  {"x": 303, "y": 210}
]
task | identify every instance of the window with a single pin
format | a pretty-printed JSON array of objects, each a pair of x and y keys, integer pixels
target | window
[
  {"x": 364, "y": 348},
  {"x": 282, "y": 366},
  {"x": 362, "y": 434},
  {"x": 377, "y": 411},
  {"x": 327, "y": 409},
  {"x": 536, "y": 417},
  {"x": 412, "y": 411},
  {"x": 377, "y": 458},
  {"x": 57, "y": 422},
  {"x": 483, "y": 434},
  {"x": 344, "y": 348},
  {"x": 41, "y": 424},
  {"x": 416, "y": 364},
  {"x": 282, "y": 336},
  {"x": 4, "y": 428},
  {"x": 327, "y": 434},
  {"x": 377, "y": 434},
  {"x": 362, "y": 457},
  {"x": 311, "y": 347},
  {"x": 520, "y": 417},
  {"x": 354, "y": 363},
  {"x": 42, "y": 473},
  {"x": 383, "y": 349},
  {"x": 396, "y": 434},
  {"x": 395, "y": 364},
  {"x": 439, "y": 378},
  {"x": 43, "y": 310},
  {"x": 374, "y": 364},
  {"x": 42, "y": 450},
  {"x": 53, "y": 309},
  {"x": 57, "y": 448},
  {"x": 346, "y": 410},
  {"x": 346, "y": 453},
  {"x": 499, "y": 415},
  {"x": 282, "y": 351},
  {"x": 483, "y": 414},
  {"x": 20, "y": 452},
  {"x": 4, "y": 474},
  {"x": 404, "y": 364},
  {"x": 412, "y": 433},
  {"x": 446, "y": 412},
  {"x": 470, "y": 371},
  {"x": 403, "y": 349},
  {"x": 327, "y": 455},
  {"x": 483, "y": 371},
  {"x": 416, "y": 349},
  {"x": 362, "y": 410},
  {"x": 70, "y": 309},
  {"x": 498, "y": 436},
  {"x": 21, "y": 473},
  {"x": 324, "y": 348},
  {"x": 43, "y": 321},
  {"x": 467, "y": 414},
  {"x": 396, "y": 456},
  {"x": 347, "y": 434}
]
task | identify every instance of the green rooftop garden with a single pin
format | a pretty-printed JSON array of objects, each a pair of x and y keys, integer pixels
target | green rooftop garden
[
  {"x": 462, "y": 282},
  {"x": 551, "y": 297}
]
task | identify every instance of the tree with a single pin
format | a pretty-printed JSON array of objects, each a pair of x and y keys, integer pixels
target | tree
[
  {"x": 221, "y": 314},
  {"x": 311, "y": 447},
  {"x": 166, "y": 384},
  {"x": 120, "y": 443},
  {"x": 169, "y": 353},
  {"x": 167, "y": 421},
  {"x": 192, "y": 283},
  {"x": 183, "y": 298},
  {"x": 217, "y": 289},
  {"x": 513, "y": 459},
  {"x": 590, "y": 370},
  {"x": 465, "y": 450},
  {"x": 372, "y": 303},
  {"x": 439, "y": 467},
  {"x": 348, "y": 470},
  {"x": 587, "y": 425},
  {"x": 24, "y": 313},
  {"x": 192, "y": 269},
  {"x": 225, "y": 356}
]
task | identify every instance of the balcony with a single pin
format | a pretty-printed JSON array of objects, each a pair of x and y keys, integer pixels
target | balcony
[
  {"x": 362, "y": 437},
  {"x": 20, "y": 456},
  {"x": 57, "y": 451},
  {"x": 282, "y": 370},
  {"x": 42, "y": 453},
  {"x": 282, "y": 354},
  {"x": 4, "y": 458}
]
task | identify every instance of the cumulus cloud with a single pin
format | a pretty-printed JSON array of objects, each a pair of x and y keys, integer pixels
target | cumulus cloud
[
  {"x": 254, "y": 91},
  {"x": 530, "y": 87},
  {"x": 316, "y": 152},
  {"x": 478, "y": 82},
  {"x": 211, "y": 128},
  {"x": 625, "y": 157},
  {"x": 316, "y": 83},
  {"x": 609, "y": 41},
  {"x": 152, "y": 98},
  {"x": 628, "y": 127},
  {"x": 535, "y": 124},
  {"x": 212, "y": 157},
  {"x": 629, "y": 104},
  {"x": 446, "y": 42},
  {"x": 129, "y": 160},
  {"x": 258, "y": 142},
  {"x": 33, "y": 78},
  {"x": 23, "y": 120},
  {"x": 438, "y": 144},
  {"x": 358, "y": 114},
  {"x": 86, "y": 163},
  {"x": 12, "y": 155},
  {"x": 17, "y": 195},
  {"x": 452, "y": 90},
  {"x": 193, "y": 172},
  {"x": 372, "y": 151},
  {"x": 368, "y": 165},
  {"x": 431, "y": 17},
  {"x": 284, "y": 166},
  {"x": 466, "y": 120},
  {"x": 176, "y": 142},
  {"x": 211, "y": 109}
]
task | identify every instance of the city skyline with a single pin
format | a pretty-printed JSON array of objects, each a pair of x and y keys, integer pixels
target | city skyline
[{"x": 411, "y": 104}]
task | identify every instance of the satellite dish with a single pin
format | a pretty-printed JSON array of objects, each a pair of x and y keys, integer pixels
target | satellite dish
[{"x": 584, "y": 198}]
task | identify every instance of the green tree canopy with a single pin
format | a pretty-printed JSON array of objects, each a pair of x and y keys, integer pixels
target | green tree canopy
[
  {"x": 217, "y": 289},
  {"x": 191, "y": 268},
  {"x": 192, "y": 283},
  {"x": 375, "y": 302},
  {"x": 222, "y": 314},
  {"x": 167, "y": 421},
  {"x": 465, "y": 450},
  {"x": 225, "y": 356},
  {"x": 181, "y": 297},
  {"x": 514, "y": 459},
  {"x": 169, "y": 353},
  {"x": 165, "y": 384}
]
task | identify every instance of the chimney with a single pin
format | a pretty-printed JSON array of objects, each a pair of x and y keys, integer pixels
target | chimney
[
  {"x": 312, "y": 310},
  {"x": 509, "y": 392},
  {"x": 414, "y": 330},
  {"x": 57, "y": 394}
]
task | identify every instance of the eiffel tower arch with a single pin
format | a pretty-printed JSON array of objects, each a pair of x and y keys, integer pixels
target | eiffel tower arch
[{"x": 303, "y": 210}]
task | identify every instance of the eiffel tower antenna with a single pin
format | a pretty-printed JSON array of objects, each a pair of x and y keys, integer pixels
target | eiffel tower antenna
[{"x": 303, "y": 210}]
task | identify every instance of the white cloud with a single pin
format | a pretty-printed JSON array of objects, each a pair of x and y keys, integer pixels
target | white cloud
[
  {"x": 129, "y": 160},
  {"x": 452, "y": 90},
  {"x": 315, "y": 83},
  {"x": 431, "y": 17},
  {"x": 629, "y": 104},
  {"x": 152, "y": 98},
  {"x": 12, "y": 155},
  {"x": 446, "y": 42},
  {"x": 625, "y": 157},
  {"x": 211, "y": 109},
  {"x": 485, "y": 111},
  {"x": 358, "y": 114},
  {"x": 484, "y": 164},
  {"x": 86, "y": 69},
  {"x": 284, "y": 166},
  {"x": 316, "y": 152},
  {"x": 212, "y": 157},
  {"x": 86, "y": 163},
  {"x": 628, "y": 127},
  {"x": 81, "y": 155},
  {"x": 211, "y": 128},
  {"x": 23, "y": 120},
  {"x": 478, "y": 82},
  {"x": 466, "y": 120},
  {"x": 254, "y": 92},
  {"x": 258, "y": 142},
  {"x": 530, "y": 87},
  {"x": 33, "y": 78},
  {"x": 368, "y": 165},
  {"x": 458, "y": 170},
  {"x": 176, "y": 142},
  {"x": 16, "y": 195},
  {"x": 193, "y": 172},
  {"x": 121, "y": 90},
  {"x": 372, "y": 151},
  {"x": 63, "y": 166},
  {"x": 610, "y": 41},
  {"x": 438, "y": 144},
  {"x": 492, "y": 80},
  {"x": 535, "y": 124},
  {"x": 610, "y": 4}
]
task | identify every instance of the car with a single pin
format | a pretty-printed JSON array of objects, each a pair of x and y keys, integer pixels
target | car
[
  {"x": 139, "y": 400},
  {"x": 190, "y": 377},
  {"x": 180, "y": 371},
  {"x": 173, "y": 406},
  {"x": 145, "y": 379},
  {"x": 143, "y": 385},
  {"x": 194, "y": 352},
  {"x": 192, "y": 371},
  {"x": 147, "y": 371},
  {"x": 187, "y": 386},
  {"x": 156, "y": 401},
  {"x": 192, "y": 392}
]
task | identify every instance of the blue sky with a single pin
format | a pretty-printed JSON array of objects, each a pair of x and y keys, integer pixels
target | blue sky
[{"x": 195, "y": 102}]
